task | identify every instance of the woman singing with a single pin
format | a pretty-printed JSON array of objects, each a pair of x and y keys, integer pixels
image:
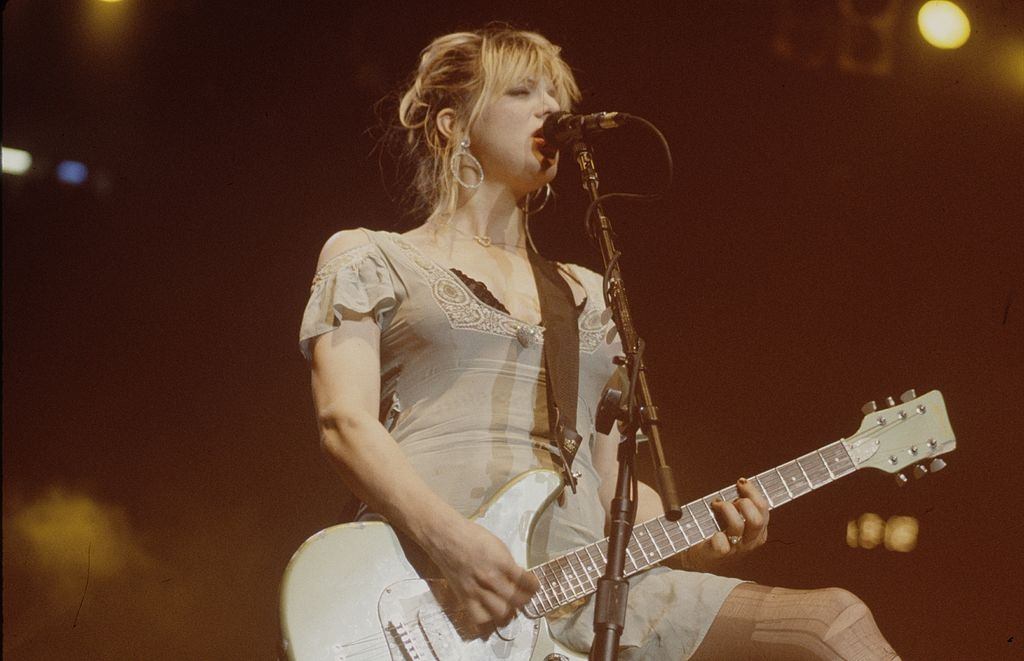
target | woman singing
[{"x": 427, "y": 370}]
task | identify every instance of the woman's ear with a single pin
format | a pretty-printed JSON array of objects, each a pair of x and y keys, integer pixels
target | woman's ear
[{"x": 446, "y": 122}]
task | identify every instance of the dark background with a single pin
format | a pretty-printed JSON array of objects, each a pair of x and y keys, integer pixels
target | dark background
[{"x": 831, "y": 237}]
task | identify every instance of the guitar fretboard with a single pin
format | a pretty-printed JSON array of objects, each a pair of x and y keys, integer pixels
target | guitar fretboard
[{"x": 574, "y": 575}]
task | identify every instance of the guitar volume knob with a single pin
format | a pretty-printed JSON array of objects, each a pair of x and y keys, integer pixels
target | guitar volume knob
[
  {"x": 901, "y": 480},
  {"x": 936, "y": 465}
]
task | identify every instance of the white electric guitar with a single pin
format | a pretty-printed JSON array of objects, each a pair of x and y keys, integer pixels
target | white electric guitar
[{"x": 358, "y": 591}]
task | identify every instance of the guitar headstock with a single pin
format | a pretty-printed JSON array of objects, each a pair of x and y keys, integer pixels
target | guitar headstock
[{"x": 914, "y": 431}]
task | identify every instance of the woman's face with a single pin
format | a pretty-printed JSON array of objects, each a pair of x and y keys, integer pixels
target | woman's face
[{"x": 506, "y": 137}]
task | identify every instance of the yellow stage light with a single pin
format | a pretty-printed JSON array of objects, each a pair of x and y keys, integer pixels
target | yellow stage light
[
  {"x": 901, "y": 533},
  {"x": 16, "y": 161},
  {"x": 943, "y": 24},
  {"x": 872, "y": 530}
]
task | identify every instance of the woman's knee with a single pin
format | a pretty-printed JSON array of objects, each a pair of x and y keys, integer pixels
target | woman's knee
[{"x": 847, "y": 616}]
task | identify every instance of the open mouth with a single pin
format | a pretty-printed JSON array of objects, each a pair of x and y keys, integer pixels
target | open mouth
[{"x": 548, "y": 151}]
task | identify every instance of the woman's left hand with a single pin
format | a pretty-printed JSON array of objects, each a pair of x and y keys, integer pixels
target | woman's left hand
[{"x": 744, "y": 523}]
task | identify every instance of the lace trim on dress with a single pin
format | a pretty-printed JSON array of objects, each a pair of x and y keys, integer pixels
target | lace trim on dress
[{"x": 466, "y": 308}]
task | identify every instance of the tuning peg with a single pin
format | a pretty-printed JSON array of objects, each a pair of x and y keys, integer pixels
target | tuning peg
[
  {"x": 908, "y": 395},
  {"x": 869, "y": 408},
  {"x": 889, "y": 401},
  {"x": 920, "y": 471},
  {"x": 937, "y": 465},
  {"x": 901, "y": 480}
]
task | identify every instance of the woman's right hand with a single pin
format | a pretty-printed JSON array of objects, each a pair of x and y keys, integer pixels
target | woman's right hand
[{"x": 483, "y": 575}]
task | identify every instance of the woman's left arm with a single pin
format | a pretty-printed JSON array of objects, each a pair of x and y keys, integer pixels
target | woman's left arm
[{"x": 744, "y": 519}]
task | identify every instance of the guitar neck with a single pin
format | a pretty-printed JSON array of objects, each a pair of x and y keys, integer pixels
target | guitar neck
[{"x": 574, "y": 575}]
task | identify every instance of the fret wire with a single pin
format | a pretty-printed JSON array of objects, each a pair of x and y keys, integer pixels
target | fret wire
[
  {"x": 806, "y": 476},
  {"x": 564, "y": 578},
  {"x": 705, "y": 524},
  {"x": 586, "y": 573},
  {"x": 545, "y": 586},
  {"x": 640, "y": 545},
  {"x": 575, "y": 572},
  {"x": 658, "y": 546},
  {"x": 693, "y": 520},
  {"x": 557, "y": 590},
  {"x": 697, "y": 521},
  {"x": 837, "y": 458},
  {"x": 655, "y": 549},
  {"x": 638, "y": 550},
  {"x": 667, "y": 547},
  {"x": 682, "y": 529},
  {"x": 593, "y": 565},
  {"x": 730, "y": 490},
  {"x": 776, "y": 486},
  {"x": 653, "y": 537},
  {"x": 813, "y": 468},
  {"x": 784, "y": 485},
  {"x": 546, "y": 600},
  {"x": 569, "y": 573},
  {"x": 668, "y": 535},
  {"x": 764, "y": 491},
  {"x": 577, "y": 568},
  {"x": 629, "y": 556},
  {"x": 711, "y": 513},
  {"x": 714, "y": 519},
  {"x": 830, "y": 473},
  {"x": 793, "y": 468}
]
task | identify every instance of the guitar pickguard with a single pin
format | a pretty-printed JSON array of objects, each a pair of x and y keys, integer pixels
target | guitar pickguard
[{"x": 422, "y": 621}]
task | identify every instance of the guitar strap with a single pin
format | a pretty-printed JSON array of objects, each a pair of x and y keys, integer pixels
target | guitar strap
[{"x": 560, "y": 319}]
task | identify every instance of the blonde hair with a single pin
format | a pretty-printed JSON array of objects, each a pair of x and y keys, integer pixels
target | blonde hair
[{"x": 465, "y": 71}]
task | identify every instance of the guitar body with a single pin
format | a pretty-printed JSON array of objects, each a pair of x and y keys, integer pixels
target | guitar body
[{"x": 358, "y": 591}]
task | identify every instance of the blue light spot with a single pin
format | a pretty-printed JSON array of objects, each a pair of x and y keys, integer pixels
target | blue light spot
[{"x": 72, "y": 172}]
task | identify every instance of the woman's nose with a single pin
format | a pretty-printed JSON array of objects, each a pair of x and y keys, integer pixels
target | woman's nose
[{"x": 549, "y": 104}]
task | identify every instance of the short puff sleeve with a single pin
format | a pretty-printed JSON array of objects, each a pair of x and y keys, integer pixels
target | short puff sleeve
[{"x": 355, "y": 282}]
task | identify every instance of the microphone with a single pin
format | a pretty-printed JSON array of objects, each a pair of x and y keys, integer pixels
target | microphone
[{"x": 563, "y": 128}]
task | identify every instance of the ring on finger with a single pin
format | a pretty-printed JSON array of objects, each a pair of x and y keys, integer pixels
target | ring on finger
[{"x": 734, "y": 540}]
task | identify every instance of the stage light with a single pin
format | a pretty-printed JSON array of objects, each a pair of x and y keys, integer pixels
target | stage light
[
  {"x": 868, "y": 530},
  {"x": 16, "y": 161},
  {"x": 901, "y": 533},
  {"x": 943, "y": 24},
  {"x": 872, "y": 530},
  {"x": 72, "y": 172}
]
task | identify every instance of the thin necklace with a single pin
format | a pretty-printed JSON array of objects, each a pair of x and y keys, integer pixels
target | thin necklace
[{"x": 486, "y": 241}]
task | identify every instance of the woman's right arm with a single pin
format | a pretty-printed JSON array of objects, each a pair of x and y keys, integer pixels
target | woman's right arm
[{"x": 346, "y": 392}]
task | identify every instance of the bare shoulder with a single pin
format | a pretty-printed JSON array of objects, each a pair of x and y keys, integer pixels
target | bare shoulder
[{"x": 341, "y": 242}]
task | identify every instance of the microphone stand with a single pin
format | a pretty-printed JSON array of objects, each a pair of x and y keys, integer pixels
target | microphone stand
[{"x": 639, "y": 412}]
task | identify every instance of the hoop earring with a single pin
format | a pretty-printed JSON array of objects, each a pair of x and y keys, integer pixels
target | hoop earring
[
  {"x": 548, "y": 193},
  {"x": 529, "y": 237},
  {"x": 456, "y": 165}
]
